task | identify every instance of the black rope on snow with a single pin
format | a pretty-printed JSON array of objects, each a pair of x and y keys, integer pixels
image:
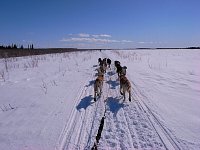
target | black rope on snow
[
  {"x": 99, "y": 132},
  {"x": 94, "y": 147}
]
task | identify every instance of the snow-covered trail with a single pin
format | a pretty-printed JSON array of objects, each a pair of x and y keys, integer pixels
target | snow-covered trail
[
  {"x": 83, "y": 121},
  {"x": 46, "y": 102},
  {"x": 124, "y": 122},
  {"x": 159, "y": 84},
  {"x": 128, "y": 125}
]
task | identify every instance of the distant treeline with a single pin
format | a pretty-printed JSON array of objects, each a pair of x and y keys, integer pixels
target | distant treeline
[
  {"x": 181, "y": 48},
  {"x": 15, "y": 46},
  {"x": 18, "y": 51},
  {"x": 193, "y": 47},
  {"x": 5, "y": 53}
]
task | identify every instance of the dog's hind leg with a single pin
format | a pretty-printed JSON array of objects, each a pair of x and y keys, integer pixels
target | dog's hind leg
[
  {"x": 120, "y": 90},
  {"x": 98, "y": 91},
  {"x": 101, "y": 87},
  {"x": 95, "y": 92},
  {"x": 95, "y": 97},
  {"x": 129, "y": 95},
  {"x": 124, "y": 94}
]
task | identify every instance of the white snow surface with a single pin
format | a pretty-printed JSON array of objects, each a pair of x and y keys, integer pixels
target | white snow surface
[{"x": 46, "y": 101}]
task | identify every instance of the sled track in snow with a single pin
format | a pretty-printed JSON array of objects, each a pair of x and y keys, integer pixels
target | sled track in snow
[
  {"x": 89, "y": 142},
  {"x": 166, "y": 138},
  {"x": 93, "y": 131},
  {"x": 131, "y": 134},
  {"x": 70, "y": 122},
  {"x": 115, "y": 120},
  {"x": 129, "y": 125},
  {"x": 77, "y": 134},
  {"x": 73, "y": 123},
  {"x": 120, "y": 126},
  {"x": 168, "y": 141},
  {"x": 132, "y": 141}
]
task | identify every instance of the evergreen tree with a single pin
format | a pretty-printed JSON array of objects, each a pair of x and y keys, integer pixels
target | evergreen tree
[{"x": 15, "y": 46}]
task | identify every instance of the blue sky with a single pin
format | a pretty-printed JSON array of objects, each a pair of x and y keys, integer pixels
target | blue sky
[{"x": 100, "y": 23}]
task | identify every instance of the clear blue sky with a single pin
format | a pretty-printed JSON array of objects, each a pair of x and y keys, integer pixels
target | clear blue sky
[{"x": 100, "y": 23}]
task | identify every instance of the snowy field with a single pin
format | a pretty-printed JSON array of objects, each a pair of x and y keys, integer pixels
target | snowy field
[{"x": 46, "y": 102}]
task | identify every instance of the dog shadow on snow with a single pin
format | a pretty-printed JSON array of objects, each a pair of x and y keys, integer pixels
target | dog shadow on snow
[
  {"x": 90, "y": 83},
  {"x": 114, "y": 105},
  {"x": 111, "y": 73},
  {"x": 113, "y": 84},
  {"x": 85, "y": 102}
]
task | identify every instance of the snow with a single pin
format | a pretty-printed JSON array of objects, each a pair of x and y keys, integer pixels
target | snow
[{"x": 46, "y": 101}]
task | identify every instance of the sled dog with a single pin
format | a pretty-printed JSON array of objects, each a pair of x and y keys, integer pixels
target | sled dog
[
  {"x": 98, "y": 85},
  {"x": 125, "y": 86}
]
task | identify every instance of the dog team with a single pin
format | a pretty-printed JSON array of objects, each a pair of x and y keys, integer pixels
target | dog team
[{"x": 125, "y": 85}]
